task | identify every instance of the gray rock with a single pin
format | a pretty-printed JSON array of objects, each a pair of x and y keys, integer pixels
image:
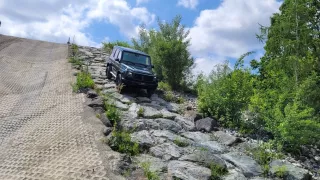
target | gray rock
[
  {"x": 166, "y": 151},
  {"x": 292, "y": 172},
  {"x": 143, "y": 138},
  {"x": 226, "y": 139},
  {"x": 107, "y": 131},
  {"x": 204, "y": 157},
  {"x": 160, "y": 101},
  {"x": 109, "y": 91},
  {"x": 153, "y": 105},
  {"x": 187, "y": 170},
  {"x": 156, "y": 164},
  {"x": 105, "y": 120},
  {"x": 185, "y": 123},
  {"x": 168, "y": 135},
  {"x": 133, "y": 110},
  {"x": 168, "y": 115},
  {"x": 143, "y": 100},
  {"x": 108, "y": 86},
  {"x": 213, "y": 146},
  {"x": 123, "y": 98},
  {"x": 206, "y": 124},
  {"x": 151, "y": 113},
  {"x": 92, "y": 94},
  {"x": 119, "y": 104},
  {"x": 197, "y": 136},
  {"x": 166, "y": 124},
  {"x": 234, "y": 175},
  {"x": 97, "y": 102},
  {"x": 173, "y": 107},
  {"x": 248, "y": 166},
  {"x": 140, "y": 124}
]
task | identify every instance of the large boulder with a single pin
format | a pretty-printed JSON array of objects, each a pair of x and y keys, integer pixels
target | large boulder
[
  {"x": 133, "y": 110},
  {"x": 168, "y": 115},
  {"x": 119, "y": 105},
  {"x": 248, "y": 166},
  {"x": 156, "y": 164},
  {"x": 234, "y": 175},
  {"x": 151, "y": 113},
  {"x": 204, "y": 157},
  {"x": 186, "y": 124},
  {"x": 92, "y": 94},
  {"x": 173, "y": 107},
  {"x": 166, "y": 151},
  {"x": 207, "y": 124},
  {"x": 96, "y": 102},
  {"x": 212, "y": 146},
  {"x": 226, "y": 139},
  {"x": 143, "y": 138},
  {"x": 140, "y": 124},
  {"x": 187, "y": 171},
  {"x": 166, "y": 124},
  {"x": 143, "y": 100},
  {"x": 291, "y": 172},
  {"x": 165, "y": 135},
  {"x": 197, "y": 136},
  {"x": 105, "y": 120}
]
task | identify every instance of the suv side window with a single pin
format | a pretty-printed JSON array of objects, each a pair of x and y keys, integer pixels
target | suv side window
[
  {"x": 119, "y": 55},
  {"x": 116, "y": 54},
  {"x": 113, "y": 51}
]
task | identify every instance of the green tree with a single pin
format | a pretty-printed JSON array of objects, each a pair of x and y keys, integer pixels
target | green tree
[
  {"x": 108, "y": 46},
  {"x": 168, "y": 48}
]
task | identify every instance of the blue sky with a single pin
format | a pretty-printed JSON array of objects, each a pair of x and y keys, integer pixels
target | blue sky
[{"x": 219, "y": 29}]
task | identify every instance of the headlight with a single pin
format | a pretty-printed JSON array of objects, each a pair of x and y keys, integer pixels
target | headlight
[
  {"x": 129, "y": 74},
  {"x": 155, "y": 78}
]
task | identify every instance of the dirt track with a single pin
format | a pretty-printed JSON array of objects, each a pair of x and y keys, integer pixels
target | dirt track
[{"x": 42, "y": 133}]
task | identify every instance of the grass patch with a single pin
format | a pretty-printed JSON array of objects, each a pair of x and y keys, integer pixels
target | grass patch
[
  {"x": 168, "y": 96},
  {"x": 150, "y": 175},
  {"x": 75, "y": 61},
  {"x": 180, "y": 142},
  {"x": 120, "y": 141},
  {"x": 84, "y": 80},
  {"x": 112, "y": 113},
  {"x": 74, "y": 49},
  {"x": 281, "y": 171},
  {"x": 217, "y": 171},
  {"x": 164, "y": 86},
  {"x": 180, "y": 100},
  {"x": 140, "y": 112},
  {"x": 264, "y": 155}
]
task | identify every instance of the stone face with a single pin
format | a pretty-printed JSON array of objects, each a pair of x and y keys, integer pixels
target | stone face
[
  {"x": 234, "y": 175},
  {"x": 166, "y": 151},
  {"x": 248, "y": 166},
  {"x": 105, "y": 120},
  {"x": 204, "y": 157},
  {"x": 156, "y": 164},
  {"x": 185, "y": 123},
  {"x": 213, "y": 146},
  {"x": 123, "y": 98},
  {"x": 143, "y": 138},
  {"x": 107, "y": 131},
  {"x": 168, "y": 115},
  {"x": 166, "y": 124},
  {"x": 133, "y": 110},
  {"x": 187, "y": 171},
  {"x": 92, "y": 94},
  {"x": 292, "y": 172},
  {"x": 206, "y": 124},
  {"x": 97, "y": 102},
  {"x": 173, "y": 107},
  {"x": 197, "y": 136},
  {"x": 151, "y": 113},
  {"x": 119, "y": 104},
  {"x": 143, "y": 100},
  {"x": 167, "y": 135},
  {"x": 226, "y": 139}
]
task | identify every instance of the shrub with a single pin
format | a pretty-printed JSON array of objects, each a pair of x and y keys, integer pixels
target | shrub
[
  {"x": 112, "y": 113},
  {"x": 140, "y": 112},
  {"x": 84, "y": 80},
  {"x": 109, "y": 46},
  {"x": 168, "y": 96},
  {"x": 164, "y": 86},
  {"x": 217, "y": 171},
  {"x": 74, "y": 49},
  {"x": 281, "y": 171},
  {"x": 148, "y": 173},
  {"x": 120, "y": 141},
  {"x": 180, "y": 100},
  {"x": 75, "y": 61},
  {"x": 180, "y": 142}
]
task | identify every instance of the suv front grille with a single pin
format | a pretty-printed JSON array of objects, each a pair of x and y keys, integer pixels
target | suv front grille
[{"x": 141, "y": 77}]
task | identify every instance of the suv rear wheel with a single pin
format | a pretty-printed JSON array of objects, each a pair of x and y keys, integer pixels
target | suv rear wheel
[{"x": 108, "y": 72}]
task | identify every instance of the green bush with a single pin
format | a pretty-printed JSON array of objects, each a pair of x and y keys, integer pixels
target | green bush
[
  {"x": 148, "y": 173},
  {"x": 140, "y": 112},
  {"x": 164, "y": 86},
  {"x": 217, "y": 171},
  {"x": 109, "y": 46},
  {"x": 112, "y": 113},
  {"x": 75, "y": 61},
  {"x": 74, "y": 49},
  {"x": 168, "y": 96},
  {"x": 84, "y": 80},
  {"x": 120, "y": 141},
  {"x": 225, "y": 94},
  {"x": 281, "y": 171}
]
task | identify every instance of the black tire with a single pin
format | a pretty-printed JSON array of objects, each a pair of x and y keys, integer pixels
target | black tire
[
  {"x": 108, "y": 72},
  {"x": 150, "y": 92},
  {"x": 119, "y": 83}
]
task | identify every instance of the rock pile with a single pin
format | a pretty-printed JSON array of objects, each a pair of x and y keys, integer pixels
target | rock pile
[{"x": 176, "y": 146}]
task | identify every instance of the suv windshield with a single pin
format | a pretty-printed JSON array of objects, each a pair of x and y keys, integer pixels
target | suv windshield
[{"x": 136, "y": 58}]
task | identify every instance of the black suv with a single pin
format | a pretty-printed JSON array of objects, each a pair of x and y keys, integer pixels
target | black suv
[{"x": 131, "y": 68}]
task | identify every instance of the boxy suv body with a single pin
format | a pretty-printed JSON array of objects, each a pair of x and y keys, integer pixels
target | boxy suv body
[{"x": 131, "y": 68}]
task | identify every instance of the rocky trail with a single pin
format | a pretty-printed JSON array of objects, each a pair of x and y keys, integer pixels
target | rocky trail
[{"x": 178, "y": 143}]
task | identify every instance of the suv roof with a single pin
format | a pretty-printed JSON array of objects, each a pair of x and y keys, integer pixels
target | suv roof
[{"x": 131, "y": 50}]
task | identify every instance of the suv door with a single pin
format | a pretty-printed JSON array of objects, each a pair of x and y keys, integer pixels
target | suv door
[{"x": 117, "y": 64}]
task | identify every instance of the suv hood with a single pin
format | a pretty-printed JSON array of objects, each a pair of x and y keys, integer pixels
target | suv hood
[{"x": 138, "y": 69}]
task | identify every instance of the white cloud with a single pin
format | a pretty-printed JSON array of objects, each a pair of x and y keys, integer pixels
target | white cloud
[
  {"x": 205, "y": 65},
  {"x": 142, "y": 1},
  {"x": 229, "y": 31},
  {"x": 57, "y": 20},
  {"x": 191, "y": 4}
]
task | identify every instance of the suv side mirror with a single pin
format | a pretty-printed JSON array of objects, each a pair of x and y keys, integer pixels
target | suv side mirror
[{"x": 117, "y": 59}]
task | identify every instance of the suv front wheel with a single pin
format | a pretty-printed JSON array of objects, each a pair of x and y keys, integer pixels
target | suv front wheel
[
  {"x": 119, "y": 83},
  {"x": 108, "y": 72}
]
